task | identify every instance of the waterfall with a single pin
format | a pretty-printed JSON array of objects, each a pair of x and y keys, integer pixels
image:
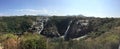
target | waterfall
[
  {"x": 41, "y": 21},
  {"x": 66, "y": 32},
  {"x": 42, "y": 27}
]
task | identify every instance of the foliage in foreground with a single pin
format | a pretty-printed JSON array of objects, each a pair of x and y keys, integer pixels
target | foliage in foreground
[{"x": 27, "y": 41}]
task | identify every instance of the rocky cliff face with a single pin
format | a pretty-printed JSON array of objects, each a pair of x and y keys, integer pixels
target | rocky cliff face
[
  {"x": 50, "y": 30},
  {"x": 69, "y": 29},
  {"x": 77, "y": 28}
]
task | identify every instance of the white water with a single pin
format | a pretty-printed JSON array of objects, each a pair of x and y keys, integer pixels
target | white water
[
  {"x": 80, "y": 37},
  {"x": 42, "y": 24},
  {"x": 42, "y": 27},
  {"x": 58, "y": 34},
  {"x": 66, "y": 32}
]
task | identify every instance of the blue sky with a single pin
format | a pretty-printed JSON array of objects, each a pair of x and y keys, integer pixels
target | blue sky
[{"x": 98, "y": 8}]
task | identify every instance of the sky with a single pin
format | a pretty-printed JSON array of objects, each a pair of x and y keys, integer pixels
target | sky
[{"x": 97, "y": 8}]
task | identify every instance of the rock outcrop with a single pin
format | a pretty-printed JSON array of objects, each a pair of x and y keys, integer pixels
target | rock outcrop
[
  {"x": 77, "y": 28},
  {"x": 74, "y": 28}
]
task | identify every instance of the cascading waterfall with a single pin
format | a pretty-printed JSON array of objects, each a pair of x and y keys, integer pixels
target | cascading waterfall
[
  {"x": 41, "y": 21},
  {"x": 42, "y": 27},
  {"x": 66, "y": 32}
]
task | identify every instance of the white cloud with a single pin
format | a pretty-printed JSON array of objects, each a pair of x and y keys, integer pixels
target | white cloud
[
  {"x": 37, "y": 12},
  {"x": 1, "y": 14},
  {"x": 32, "y": 11}
]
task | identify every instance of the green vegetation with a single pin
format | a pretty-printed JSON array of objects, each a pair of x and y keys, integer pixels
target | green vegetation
[
  {"x": 108, "y": 40},
  {"x": 15, "y": 24},
  {"x": 33, "y": 41},
  {"x": 104, "y": 33},
  {"x": 27, "y": 41}
]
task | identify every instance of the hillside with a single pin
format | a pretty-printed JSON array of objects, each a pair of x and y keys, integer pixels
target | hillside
[
  {"x": 56, "y": 26},
  {"x": 78, "y": 32}
]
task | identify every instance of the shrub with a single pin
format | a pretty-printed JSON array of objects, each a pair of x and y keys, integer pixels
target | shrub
[
  {"x": 32, "y": 41},
  {"x": 9, "y": 41}
]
